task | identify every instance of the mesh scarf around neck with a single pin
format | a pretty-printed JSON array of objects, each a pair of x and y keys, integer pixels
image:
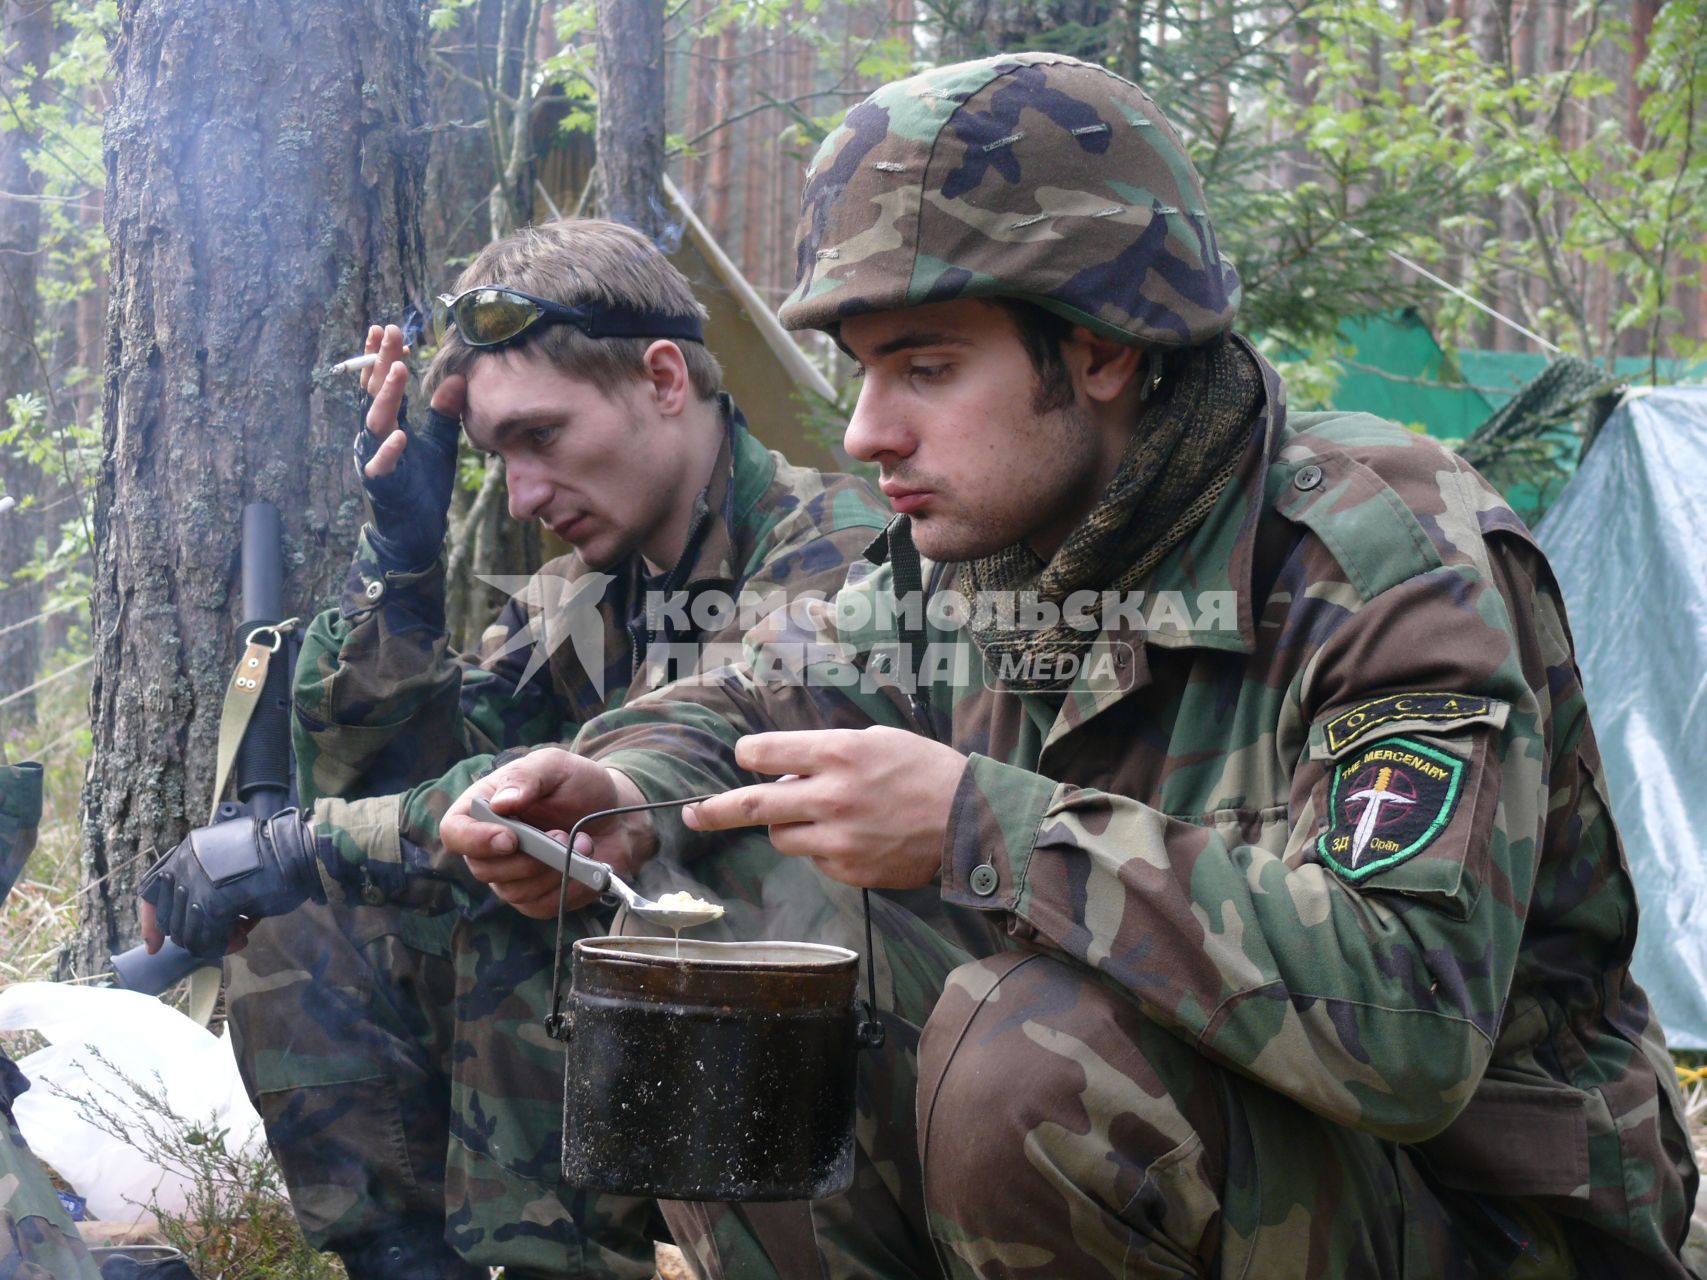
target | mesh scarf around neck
[{"x": 1184, "y": 450}]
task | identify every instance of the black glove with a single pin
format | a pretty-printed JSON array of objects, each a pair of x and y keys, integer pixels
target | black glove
[
  {"x": 247, "y": 867},
  {"x": 410, "y": 508}
]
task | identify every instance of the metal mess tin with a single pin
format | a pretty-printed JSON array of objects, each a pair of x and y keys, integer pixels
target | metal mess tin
[{"x": 710, "y": 1070}]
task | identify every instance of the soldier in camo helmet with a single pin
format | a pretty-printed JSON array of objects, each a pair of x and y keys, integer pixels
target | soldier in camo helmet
[
  {"x": 1274, "y": 924},
  {"x": 1032, "y": 176}
]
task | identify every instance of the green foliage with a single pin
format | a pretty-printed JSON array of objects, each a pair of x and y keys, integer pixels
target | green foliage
[
  {"x": 1313, "y": 372},
  {"x": 59, "y": 107},
  {"x": 70, "y": 451},
  {"x": 570, "y": 70},
  {"x": 1524, "y": 177},
  {"x": 445, "y": 15}
]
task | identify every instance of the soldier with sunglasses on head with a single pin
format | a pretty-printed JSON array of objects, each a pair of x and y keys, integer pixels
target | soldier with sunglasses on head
[{"x": 388, "y": 1027}]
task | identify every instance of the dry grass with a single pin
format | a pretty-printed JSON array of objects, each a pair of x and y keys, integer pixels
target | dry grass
[
  {"x": 40, "y": 915},
  {"x": 236, "y": 1220}
]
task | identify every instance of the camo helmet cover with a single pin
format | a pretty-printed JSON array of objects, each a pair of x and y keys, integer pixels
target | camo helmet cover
[{"x": 1032, "y": 176}]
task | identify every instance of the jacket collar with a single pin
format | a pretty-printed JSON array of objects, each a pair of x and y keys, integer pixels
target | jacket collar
[
  {"x": 722, "y": 511},
  {"x": 1199, "y": 596}
]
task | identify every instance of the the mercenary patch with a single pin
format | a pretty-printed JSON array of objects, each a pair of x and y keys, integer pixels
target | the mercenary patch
[{"x": 1387, "y": 803}]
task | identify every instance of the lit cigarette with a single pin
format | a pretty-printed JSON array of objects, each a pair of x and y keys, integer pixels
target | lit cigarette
[{"x": 355, "y": 363}]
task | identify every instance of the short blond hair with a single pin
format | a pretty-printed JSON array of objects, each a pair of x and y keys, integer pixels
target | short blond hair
[{"x": 580, "y": 260}]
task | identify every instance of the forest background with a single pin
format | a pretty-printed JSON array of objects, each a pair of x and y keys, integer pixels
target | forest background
[{"x": 202, "y": 205}]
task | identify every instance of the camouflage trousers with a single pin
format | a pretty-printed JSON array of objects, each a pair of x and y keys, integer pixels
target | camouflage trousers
[
  {"x": 37, "y": 1238},
  {"x": 341, "y": 1019},
  {"x": 508, "y": 1204},
  {"x": 1024, "y": 1120},
  {"x": 407, "y": 1092}
]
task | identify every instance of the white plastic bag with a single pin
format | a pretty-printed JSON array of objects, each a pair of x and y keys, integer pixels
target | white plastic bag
[{"x": 103, "y": 1043}]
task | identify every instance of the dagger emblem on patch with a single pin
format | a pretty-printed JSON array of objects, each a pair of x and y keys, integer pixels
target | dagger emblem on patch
[{"x": 1375, "y": 799}]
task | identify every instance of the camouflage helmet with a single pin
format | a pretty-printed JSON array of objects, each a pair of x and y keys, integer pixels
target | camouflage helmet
[{"x": 1033, "y": 176}]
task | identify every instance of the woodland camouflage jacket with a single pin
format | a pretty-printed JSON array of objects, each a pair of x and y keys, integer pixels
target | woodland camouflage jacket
[
  {"x": 390, "y": 727},
  {"x": 1338, "y": 821}
]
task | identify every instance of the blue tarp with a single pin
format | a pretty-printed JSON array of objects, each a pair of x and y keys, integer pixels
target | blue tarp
[{"x": 1628, "y": 541}]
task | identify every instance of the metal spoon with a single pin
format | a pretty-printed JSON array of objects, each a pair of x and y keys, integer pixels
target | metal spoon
[{"x": 595, "y": 875}]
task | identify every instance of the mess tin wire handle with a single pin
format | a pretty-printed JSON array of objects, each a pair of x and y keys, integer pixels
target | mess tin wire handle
[
  {"x": 870, "y": 1030},
  {"x": 554, "y": 1019}
]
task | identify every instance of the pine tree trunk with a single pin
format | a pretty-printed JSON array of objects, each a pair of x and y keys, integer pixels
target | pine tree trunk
[
  {"x": 630, "y": 138},
  {"x": 264, "y": 166},
  {"x": 26, "y": 39},
  {"x": 698, "y": 107},
  {"x": 751, "y": 161},
  {"x": 720, "y": 168}
]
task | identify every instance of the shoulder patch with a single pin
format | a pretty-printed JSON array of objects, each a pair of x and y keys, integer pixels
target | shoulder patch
[
  {"x": 1386, "y": 804},
  {"x": 1356, "y": 723}
]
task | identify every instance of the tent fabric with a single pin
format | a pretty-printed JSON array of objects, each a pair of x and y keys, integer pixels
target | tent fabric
[
  {"x": 1396, "y": 363},
  {"x": 1625, "y": 539},
  {"x": 1393, "y": 358}
]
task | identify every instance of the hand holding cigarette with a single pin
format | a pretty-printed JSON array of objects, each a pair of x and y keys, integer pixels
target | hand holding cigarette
[
  {"x": 407, "y": 472},
  {"x": 385, "y": 378},
  {"x": 375, "y": 352}
]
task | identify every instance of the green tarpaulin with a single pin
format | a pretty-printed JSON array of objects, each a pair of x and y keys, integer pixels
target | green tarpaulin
[{"x": 1395, "y": 357}]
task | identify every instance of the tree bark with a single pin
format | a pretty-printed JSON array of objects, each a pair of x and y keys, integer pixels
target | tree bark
[
  {"x": 26, "y": 41},
  {"x": 264, "y": 166},
  {"x": 1301, "y": 60},
  {"x": 630, "y": 137},
  {"x": 1642, "y": 15}
]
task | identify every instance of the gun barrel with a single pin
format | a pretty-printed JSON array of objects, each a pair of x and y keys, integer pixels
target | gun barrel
[
  {"x": 152, "y": 975},
  {"x": 263, "y": 564}
]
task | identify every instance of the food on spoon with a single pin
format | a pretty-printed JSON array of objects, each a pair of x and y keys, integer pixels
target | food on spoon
[{"x": 684, "y": 901}]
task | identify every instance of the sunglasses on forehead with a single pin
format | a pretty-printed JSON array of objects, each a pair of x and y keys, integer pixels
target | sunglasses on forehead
[{"x": 489, "y": 315}]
